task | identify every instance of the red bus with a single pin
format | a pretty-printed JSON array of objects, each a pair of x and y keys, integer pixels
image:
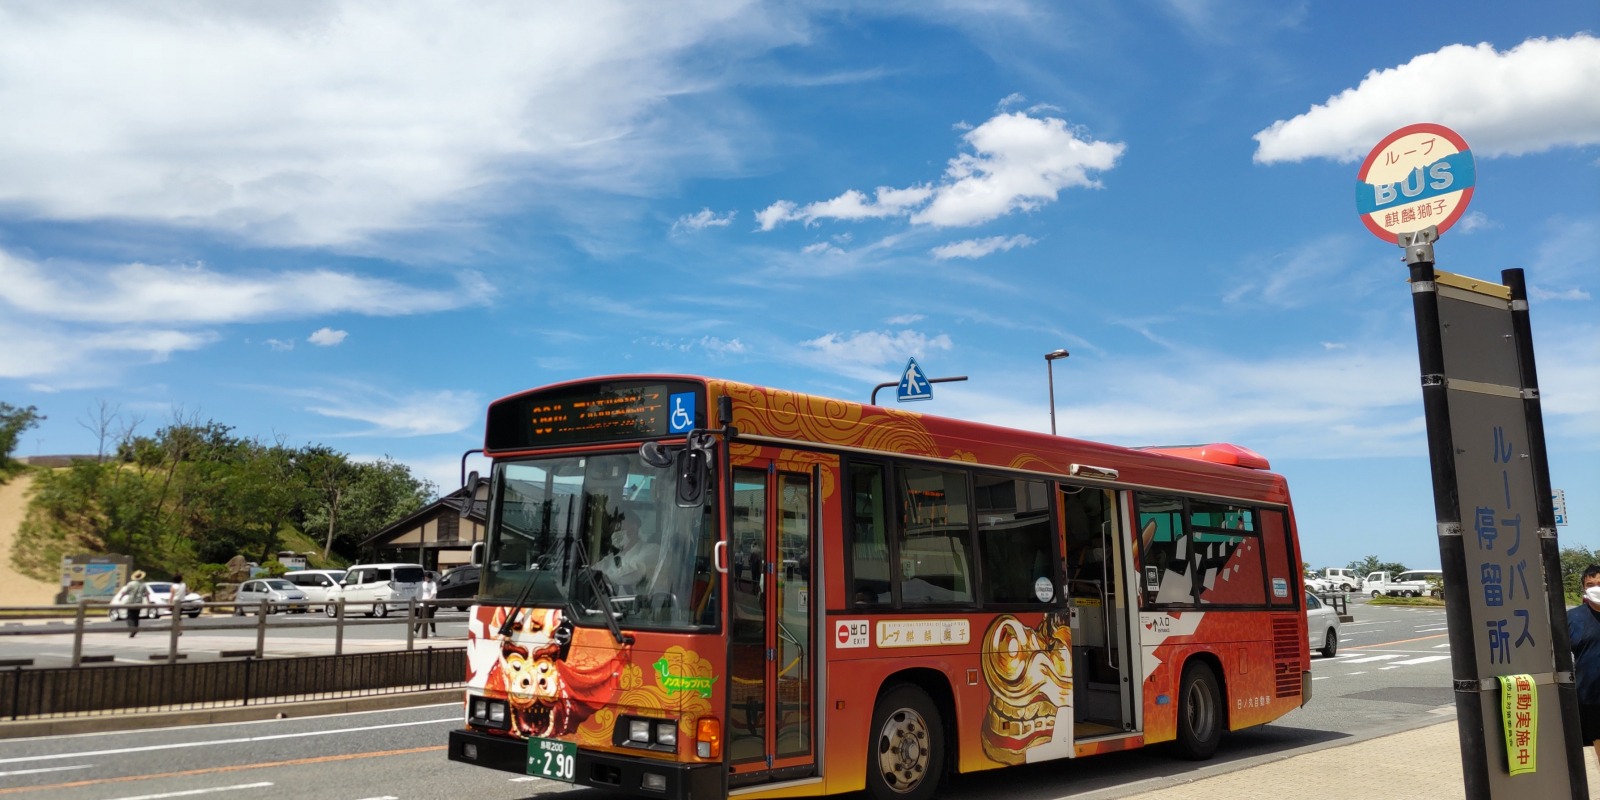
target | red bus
[{"x": 700, "y": 588}]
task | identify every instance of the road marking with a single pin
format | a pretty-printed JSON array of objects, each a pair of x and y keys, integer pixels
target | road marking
[
  {"x": 1425, "y": 659},
  {"x": 43, "y": 769},
  {"x": 193, "y": 792},
  {"x": 1437, "y": 646},
  {"x": 244, "y": 740},
  {"x": 1321, "y": 677},
  {"x": 232, "y": 768},
  {"x": 1369, "y": 659}
]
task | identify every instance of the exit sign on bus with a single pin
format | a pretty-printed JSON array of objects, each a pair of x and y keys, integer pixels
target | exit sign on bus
[{"x": 1418, "y": 176}]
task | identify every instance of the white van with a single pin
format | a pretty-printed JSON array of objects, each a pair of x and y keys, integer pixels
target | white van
[
  {"x": 376, "y": 589},
  {"x": 318, "y": 584}
]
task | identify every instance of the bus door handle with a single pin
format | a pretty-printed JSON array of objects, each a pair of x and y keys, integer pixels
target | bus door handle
[
  {"x": 719, "y": 557},
  {"x": 1107, "y": 594}
]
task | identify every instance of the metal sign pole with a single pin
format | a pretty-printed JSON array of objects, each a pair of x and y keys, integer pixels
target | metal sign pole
[
  {"x": 1549, "y": 547},
  {"x": 1446, "y": 510}
]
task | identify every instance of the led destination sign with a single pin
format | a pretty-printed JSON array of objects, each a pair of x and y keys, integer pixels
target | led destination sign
[{"x": 598, "y": 412}]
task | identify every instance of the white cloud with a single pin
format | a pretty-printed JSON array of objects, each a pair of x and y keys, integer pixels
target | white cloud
[
  {"x": 1534, "y": 97},
  {"x": 191, "y": 295},
  {"x": 411, "y": 414},
  {"x": 821, "y": 248},
  {"x": 905, "y": 319},
  {"x": 280, "y": 345},
  {"x": 865, "y": 354},
  {"x": 327, "y": 337},
  {"x": 1570, "y": 294},
  {"x": 327, "y": 123},
  {"x": 1476, "y": 220},
  {"x": 978, "y": 248},
  {"x": 702, "y": 219},
  {"x": 1018, "y": 163},
  {"x": 44, "y": 350}
]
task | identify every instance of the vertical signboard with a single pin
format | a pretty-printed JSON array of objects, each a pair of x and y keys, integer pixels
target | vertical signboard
[{"x": 1499, "y": 516}]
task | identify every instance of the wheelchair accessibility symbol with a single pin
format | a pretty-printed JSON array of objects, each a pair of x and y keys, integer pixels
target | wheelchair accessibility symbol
[{"x": 681, "y": 419}]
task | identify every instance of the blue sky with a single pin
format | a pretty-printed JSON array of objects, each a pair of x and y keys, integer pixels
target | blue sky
[{"x": 357, "y": 223}]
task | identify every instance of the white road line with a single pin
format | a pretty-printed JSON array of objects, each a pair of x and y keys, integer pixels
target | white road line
[
  {"x": 42, "y": 769},
  {"x": 243, "y": 740},
  {"x": 193, "y": 792},
  {"x": 1321, "y": 677},
  {"x": 1370, "y": 659},
  {"x": 1438, "y": 646},
  {"x": 1425, "y": 659}
]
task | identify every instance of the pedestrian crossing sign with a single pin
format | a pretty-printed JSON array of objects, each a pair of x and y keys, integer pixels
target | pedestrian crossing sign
[{"x": 914, "y": 384}]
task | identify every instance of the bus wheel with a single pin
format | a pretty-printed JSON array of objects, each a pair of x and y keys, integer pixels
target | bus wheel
[
  {"x": 1199, "y": 712},
  {"x": 906, "y": 754}
]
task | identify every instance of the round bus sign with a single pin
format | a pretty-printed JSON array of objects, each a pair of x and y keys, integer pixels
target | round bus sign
[{"x": 1418, "y": 176}]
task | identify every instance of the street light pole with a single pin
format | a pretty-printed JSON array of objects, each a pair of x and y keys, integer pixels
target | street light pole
[{"x": 1049, "y": 368}]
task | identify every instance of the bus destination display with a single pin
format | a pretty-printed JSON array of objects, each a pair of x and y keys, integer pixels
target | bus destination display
[{"x": 602, "y": 412}]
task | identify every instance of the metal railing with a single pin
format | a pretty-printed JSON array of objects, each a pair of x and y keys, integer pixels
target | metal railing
[
  {"x": 202, "y": 671},
  {"x": 32, "y": 694}
]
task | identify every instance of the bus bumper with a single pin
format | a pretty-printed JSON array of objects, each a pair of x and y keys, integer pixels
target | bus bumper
[{"x": 600, "y": 770}]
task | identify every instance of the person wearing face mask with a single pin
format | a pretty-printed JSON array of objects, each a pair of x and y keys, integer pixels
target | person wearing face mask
[
  {"x": 1583, "y": 625},
  {"x": 633, "y": 557}
]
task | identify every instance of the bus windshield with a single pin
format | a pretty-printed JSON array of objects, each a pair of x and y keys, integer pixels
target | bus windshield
[{"x": 566, "y": 526}]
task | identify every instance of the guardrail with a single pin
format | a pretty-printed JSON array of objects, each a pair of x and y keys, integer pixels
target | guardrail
[
  {"x": 200, "y": 672},
  {"x": 49, "y": 693},
  {"x": 83, "y": 622}
]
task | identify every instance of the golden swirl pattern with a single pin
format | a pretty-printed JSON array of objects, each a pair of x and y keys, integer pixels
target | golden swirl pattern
[{"x": 786, "y": 414}]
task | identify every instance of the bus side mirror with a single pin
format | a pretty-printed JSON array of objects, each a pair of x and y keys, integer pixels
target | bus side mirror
[
  {"x": 472, "y": 494},
  {"x": 691, "y": 483}
]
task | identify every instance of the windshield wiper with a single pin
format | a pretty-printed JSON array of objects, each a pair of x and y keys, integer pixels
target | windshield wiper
[{"x": 586, "y": 573}]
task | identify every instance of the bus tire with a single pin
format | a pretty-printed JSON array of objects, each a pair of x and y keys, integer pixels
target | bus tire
[
  {"x": 905, "y": 756},
  {"x": 1199, "y": 712}
]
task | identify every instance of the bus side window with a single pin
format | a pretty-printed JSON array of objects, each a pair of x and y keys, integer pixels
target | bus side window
[
  {"x": 1164, "y": 550},
  {"x": 869, "y": 544}
]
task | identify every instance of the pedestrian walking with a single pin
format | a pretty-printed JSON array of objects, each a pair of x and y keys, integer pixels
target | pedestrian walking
[
  {"x": 134, "y": 593},
  {"x": 1583, "y": 625},
  {"x": 430, "y": 592}
]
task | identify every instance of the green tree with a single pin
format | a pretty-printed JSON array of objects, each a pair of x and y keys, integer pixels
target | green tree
[
  {"x": 359, "y": 499},
  {"x": 13, "y": 422},
  {"x": 328, "y": 475},
  {"x": 1371, "y": 564},
  {"x": 1574, "y": 560}
]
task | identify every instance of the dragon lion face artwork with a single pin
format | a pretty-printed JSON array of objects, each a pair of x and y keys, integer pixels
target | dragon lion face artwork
[{"x": 1029, "y": 672}]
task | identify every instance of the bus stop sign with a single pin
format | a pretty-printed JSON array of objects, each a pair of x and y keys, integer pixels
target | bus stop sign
[{"x": 1418, "y": 176}]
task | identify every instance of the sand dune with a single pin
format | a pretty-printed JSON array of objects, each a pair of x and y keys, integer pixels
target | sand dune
[{"x": 17, "y": 589}]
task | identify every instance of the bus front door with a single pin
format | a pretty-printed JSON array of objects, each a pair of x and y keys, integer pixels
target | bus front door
[{"x": 772, "y": 725}]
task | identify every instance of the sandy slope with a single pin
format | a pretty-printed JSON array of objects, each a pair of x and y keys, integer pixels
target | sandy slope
[{"x": 15, "y": 589}]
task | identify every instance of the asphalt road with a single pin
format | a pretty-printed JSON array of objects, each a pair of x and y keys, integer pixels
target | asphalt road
[{"x": 1392, "y": 673}]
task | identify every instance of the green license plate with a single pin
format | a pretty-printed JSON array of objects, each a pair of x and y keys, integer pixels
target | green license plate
[{"x": 552, "y": 758}]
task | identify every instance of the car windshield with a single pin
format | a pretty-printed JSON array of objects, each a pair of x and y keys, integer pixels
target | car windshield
[
  {"x": 278, "y": 584},
  {"x": 555, "y": 522},
  {"x": 159, "y": 588}
]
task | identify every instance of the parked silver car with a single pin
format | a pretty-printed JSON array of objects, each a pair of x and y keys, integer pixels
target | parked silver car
[
  {"x": 279, "y": 594},
  {"x": 1322, "y": 626},
  {"x": 160, "y": 595}
]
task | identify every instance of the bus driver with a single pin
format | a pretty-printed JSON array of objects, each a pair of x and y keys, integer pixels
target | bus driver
[{"x": 627, "y": 567}]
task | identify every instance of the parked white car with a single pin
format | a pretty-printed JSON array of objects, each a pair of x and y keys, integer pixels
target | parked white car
[
  {"x": 377, "y": 589},
  {"x": 1322, "y": 626},
  {"x": 318, "y": 584},
  {"x": 161, "y": 595},
  {"x": 1339, "y": 579}
]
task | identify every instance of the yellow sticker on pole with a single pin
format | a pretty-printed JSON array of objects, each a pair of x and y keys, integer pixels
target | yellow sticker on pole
[{"x": 1519, "y": 712}]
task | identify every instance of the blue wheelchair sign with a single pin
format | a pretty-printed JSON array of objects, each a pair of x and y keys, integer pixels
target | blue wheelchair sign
[{"x": 681, "y": 412}]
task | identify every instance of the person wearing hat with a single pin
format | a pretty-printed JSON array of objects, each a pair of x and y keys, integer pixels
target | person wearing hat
[{"x": 134, "y": 594}]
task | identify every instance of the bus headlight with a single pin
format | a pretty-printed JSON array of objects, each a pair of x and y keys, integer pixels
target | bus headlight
[
  {"x": 651, "y": 733},
  {"x": 486, "y": 712}
]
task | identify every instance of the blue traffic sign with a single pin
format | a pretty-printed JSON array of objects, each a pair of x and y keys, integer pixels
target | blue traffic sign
[{"x": 914, "y": 384}]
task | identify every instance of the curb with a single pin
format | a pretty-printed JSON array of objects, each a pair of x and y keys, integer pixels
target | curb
[{"x": 172, "y": 719}]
